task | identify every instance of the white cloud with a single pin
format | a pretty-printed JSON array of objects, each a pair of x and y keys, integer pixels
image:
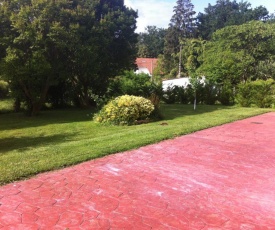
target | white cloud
[
  {"x": 159, "y": 12},
  {"x": 270, "y": 5},
  {"x": 152, "y": 12}
]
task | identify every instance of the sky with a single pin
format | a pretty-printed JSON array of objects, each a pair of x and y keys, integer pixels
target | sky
[{"x": 159, "y": 12}]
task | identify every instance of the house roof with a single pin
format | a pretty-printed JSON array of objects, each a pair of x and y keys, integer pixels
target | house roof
[{"x": 147, "y": 63}]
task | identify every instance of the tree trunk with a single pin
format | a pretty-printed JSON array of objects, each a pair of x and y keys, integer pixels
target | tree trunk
[
  {"x": 195, "y": 100},
  {"x": 35, "y": 105},
  {"x": 16, "y": 105},
  {"x": 84, "y": 97}
]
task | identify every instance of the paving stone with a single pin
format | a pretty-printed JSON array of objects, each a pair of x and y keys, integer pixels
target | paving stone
[{"x": 218, "y": 178}]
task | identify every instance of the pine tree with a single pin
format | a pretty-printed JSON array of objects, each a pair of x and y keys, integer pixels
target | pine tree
[
  {"x": 182, "y": 26},
  {"x": 183, "y": 19}
]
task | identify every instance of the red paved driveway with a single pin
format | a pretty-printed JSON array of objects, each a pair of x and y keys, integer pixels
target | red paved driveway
[{"x": 219, "y": 178}]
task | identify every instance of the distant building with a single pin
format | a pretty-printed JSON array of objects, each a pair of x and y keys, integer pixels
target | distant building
[
  {"x": 181, "y": 82},
  {"x": 146, "y": 65}
]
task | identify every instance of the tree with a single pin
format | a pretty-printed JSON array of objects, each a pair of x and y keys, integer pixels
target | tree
[
  {"x": 191, "y": 52},
  {"x": 151, "y": 42},
  {"x": 226, "y": 13},
  {"x": 101, "y": 47},
  {"x": 82, "y": 43},
  {"x": 159, "y": 70},
  {"x": 235, "y": 53},
  {"x": 183, "y": 19},
  {"x": 181, "y": 27},
  {"x": 26, "y": 63},
  {"x": 193, "y": 48}
]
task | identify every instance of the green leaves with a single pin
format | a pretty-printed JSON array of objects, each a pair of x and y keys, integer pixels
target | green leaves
[
  {"x": 151, "y": 43},
  {"x": 258, "y": 93},
  {"x": 235, "y": 52},
  {"x": 125, "y": 110},
  {"x": 227, "y": 13},
  {"x": 80, "y": 44}
]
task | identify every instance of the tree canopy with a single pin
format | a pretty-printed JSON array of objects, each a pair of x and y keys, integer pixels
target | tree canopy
[
  {"x": 185, "y": 34},
  {"x": 80, "y": 43},
  {"x": 151, "y": 42},
  {"x": 227, "y": 13},
  {"x": 236, "y": 52},
  {"x": 182, "y": 25}
]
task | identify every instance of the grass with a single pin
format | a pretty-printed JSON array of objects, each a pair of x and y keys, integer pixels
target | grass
[{"x": 57, "y": 139}]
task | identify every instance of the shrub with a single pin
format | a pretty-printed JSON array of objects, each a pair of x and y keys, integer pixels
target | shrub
[
  {"x": 210, "y": 92},
  {"x": 185, "y": 95},
  {"x": 189, "y": 94},
  {"x": 4, "y": 89},
  {"x": 177, "y": 94},
  {"x": 259, "y": 93},
  {"x": 131, "y": 83},
  {"x": 226, "y": 94},
  {"x": 125, "y": 110},
  {"x": 170, "y": 95},
  {"x": 263, "y": 93},
  {"x": 244, "y": 94},
  {"x": 6, "y": 105}
]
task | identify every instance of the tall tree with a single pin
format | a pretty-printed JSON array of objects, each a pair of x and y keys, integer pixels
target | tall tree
[
  {"x": 101, "y": 46},
  {"x": 182, "y": 26},
  {"x": 27, "y": 63},
  {"x": 82, "y": 43},
  {"x": 151, "y": 42},
  {"x": 226, "y": 13}
]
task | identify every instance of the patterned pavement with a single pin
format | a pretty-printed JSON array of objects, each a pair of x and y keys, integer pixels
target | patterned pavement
[{"x": 219, "y": 178}]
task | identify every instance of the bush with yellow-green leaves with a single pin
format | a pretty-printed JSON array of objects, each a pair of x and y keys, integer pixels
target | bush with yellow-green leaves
[{"x": 125, "y": 110}]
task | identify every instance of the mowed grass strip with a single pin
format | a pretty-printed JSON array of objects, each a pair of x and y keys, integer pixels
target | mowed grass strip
[{"x": 60, "y": 138}]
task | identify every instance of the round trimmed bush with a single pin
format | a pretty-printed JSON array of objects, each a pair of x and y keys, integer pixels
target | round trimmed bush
[{"x": 125, "y": 110}]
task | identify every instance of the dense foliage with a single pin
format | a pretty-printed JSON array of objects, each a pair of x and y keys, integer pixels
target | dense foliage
[
  {"x": 227, "y": 13},
  {"x": 125, "y": 110},
  {"x": 204, "y": 93},
  {"x": 258, "y": 93},
  {"x": 151, "y": 42},
  {"x": 183, "y": 28},
  {"x": 235, "y": 53},
  {"x": 75, "y": 46},
  {"x": 133, "y": 84},
  {"x": 4, "y": 89}
]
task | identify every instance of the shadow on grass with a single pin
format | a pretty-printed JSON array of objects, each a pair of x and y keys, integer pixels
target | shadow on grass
[
  {"x": 21, "y": 121},
  {"x": 25, "y": 143},
  {"x": 173, "y": 111}
]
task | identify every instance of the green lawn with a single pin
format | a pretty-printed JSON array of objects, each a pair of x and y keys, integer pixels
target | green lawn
[{"x": 56, "y": 139}]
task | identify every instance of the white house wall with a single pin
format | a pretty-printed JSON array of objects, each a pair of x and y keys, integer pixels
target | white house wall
[
  {"x": 143, "y": 70},
  {"x": 182, "y": 82}
]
